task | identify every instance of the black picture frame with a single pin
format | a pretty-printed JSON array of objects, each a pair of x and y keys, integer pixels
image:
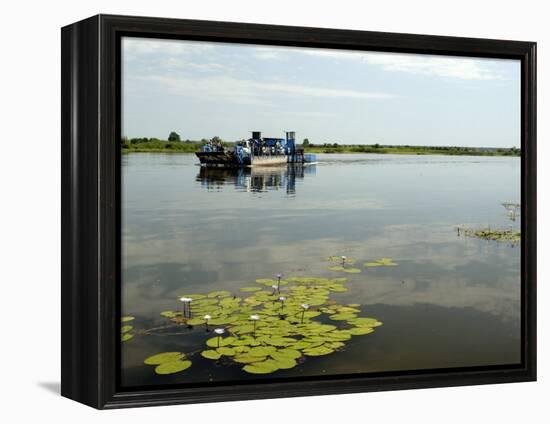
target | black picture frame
[{"x": 91, "y": 243}]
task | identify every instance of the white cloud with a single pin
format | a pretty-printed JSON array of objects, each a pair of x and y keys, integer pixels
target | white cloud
[
  {"x": 449, "y": 67},
  {"x": 250, "y": 92},
  {"x": 419, "y": 64},
  {"x": 133, "y": 47}
]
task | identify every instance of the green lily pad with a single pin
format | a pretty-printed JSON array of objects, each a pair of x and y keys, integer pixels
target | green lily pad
[
  {"x": 219, "y": 293},
  {"x": 249, "y": 289},
  {"x": 334, "y": 345},
  {"x": 360, "y": 331},
  {"x": 127, "y": 318},
  {"x": 348, "y": 309},
  {"x": 381, "y": 262},
  {"x": 161, "y": 358},
  {"x": 344, "y": 316},
  {"x": 248, "y": 359},
  {"x": 365, "y": 322},
  {"x": 339, "y": 260},
  {"x": 344, "y": 269},
  {"x": 126, "y": 337},
  {"x": 216, "y": 342},
  {"x": 318, "y": 351},
  {"x": 261, "y": 350},
  {"x": 169, "y": 314},
  {"x": 265, "y": 367},
  {"x": 285, "y": 353},
  {"x": 172, "y": 367},
  {"x": 284, "y": 363},
  {"x": 211, "y": 354},
  {"x": 196, "y": 321},
  {"x": 126, "y": 328},
  {"x": 226, "y": 351}
]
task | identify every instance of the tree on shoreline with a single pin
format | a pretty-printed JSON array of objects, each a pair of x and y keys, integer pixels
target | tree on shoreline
[{"x": 174, "y": 136}]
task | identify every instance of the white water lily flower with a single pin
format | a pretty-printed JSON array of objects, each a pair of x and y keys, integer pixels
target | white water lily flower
[
  {"x": 207, "y": 317},
  {"x": 274, "y": 286},
  {"x": 282, "y": 298},
  {"x": 344, "y": 257},
  {"x": 186, "y": 299},
  {"x": 219, "y": 331},
  {"x": 254, "y": 317},
  {"x": 305, "y": 306}
]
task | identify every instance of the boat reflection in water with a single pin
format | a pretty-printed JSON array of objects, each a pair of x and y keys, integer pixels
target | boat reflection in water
[{"x": 255, "y": 179}]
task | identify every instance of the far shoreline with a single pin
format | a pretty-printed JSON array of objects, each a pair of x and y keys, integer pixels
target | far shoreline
[
  {"x": 408, "y": 152},
  {"x": 154, "y": 145}
]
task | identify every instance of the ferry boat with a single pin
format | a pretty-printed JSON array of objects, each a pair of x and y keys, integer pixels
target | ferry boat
[{"x": 256, "y": 151}]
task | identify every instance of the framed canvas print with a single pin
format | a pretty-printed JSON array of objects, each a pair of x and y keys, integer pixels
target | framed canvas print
[{"x": 255, "y": 211}]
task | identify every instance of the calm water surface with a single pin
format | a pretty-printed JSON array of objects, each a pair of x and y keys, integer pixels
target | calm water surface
[{"x": 451, "y": 302}]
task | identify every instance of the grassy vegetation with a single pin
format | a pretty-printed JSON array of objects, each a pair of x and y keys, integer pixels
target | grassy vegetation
[
  {"x": 492, "y": 234},
  {"x": 411, "y": 150},
  {"x": 156, "y": 145},
  {"x": 191, "y": 146}
]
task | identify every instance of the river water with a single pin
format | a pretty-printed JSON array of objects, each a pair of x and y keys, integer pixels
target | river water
[{"x": 451, "y": 301}]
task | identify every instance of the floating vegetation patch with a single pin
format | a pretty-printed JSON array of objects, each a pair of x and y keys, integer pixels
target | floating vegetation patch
[
  {"x": 341, "y": 259},
  {"x": 172, "y": 367},
  {"x": 343, "y": 264},
  {"x": 509, "y": 236},
  {"x": 380, "y": 262},
  {"x": 266, "y": 330},
  {"x": 344, "y": 269},
  {"x": 160, "y": 358},
  {"x": 125, "y": 330},
  {"x": 126, "y": 337}
]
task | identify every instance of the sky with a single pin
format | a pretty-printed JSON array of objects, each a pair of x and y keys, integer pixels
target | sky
[{"x": 206, "y": 89}]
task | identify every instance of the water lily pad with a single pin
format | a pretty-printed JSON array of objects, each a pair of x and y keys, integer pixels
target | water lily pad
[
  {"x": 261, "y": 350},
  {"x": 169, "y": 314},
  {"x": 216, "y": 342},
  {"x": 211, "y": 354},
  {"x": 222, "y": 320},
  {"x": 286, "y": 353},
  {"x": 196, "y": 321},
  {"x": 284, "y": 363},
  {"x": 249, "y": 289},
  {"x": 172, "y": 367},
  {"x": 248, "y": 359},
  {"x": 126, "y": 328},
  {"x": 300, "y": 345},
  {"x": 344, "y": 316},
  {"x": 338, "y": 289},
  {"x": 126, "y": 337},
  {"x": 365, "y": 322},
  {"x": 339, "y": 259},
  {"x": 318, "y": 351},
  {"x": 127, "y": 318},
  {"x": 344, "y": 269},
  {"x": 265, "y": 367},
  {"x": 348, "y": 309},
  {"x": 161, "y": 358},
  {"x": 360, "y": 331},
  {"x": 380, "y": 262},
  {"x": 219, "y": 293},
  {"x": 311, "y": 314},
  {"x": 226, "y": 351}
]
